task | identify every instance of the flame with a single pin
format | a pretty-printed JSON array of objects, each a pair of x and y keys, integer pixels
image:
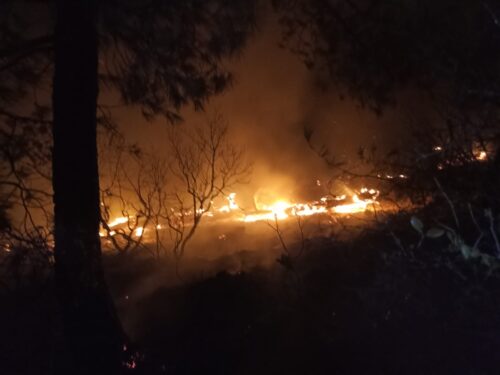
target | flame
[
  {"x": 113, "y": 223},
  {"x": 357, "y": 206},
  {"x": 277, "y": 208},
  {"x": 479, "y": 152},
  {"x": 283, "y": 209},
  {"x": 481, "y": 156},
  {"x": 231, "y": 206},
  {"x": 309, "y": 209},
  {"x": 118, "y": 221},
  {"x": 276, "y": 211}
]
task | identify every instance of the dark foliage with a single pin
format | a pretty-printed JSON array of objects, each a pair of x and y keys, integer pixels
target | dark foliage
[
  {"x": 376, "y": 49},
  {"x": 162, "y": 55},
  {"x": 379, "y": 303}
]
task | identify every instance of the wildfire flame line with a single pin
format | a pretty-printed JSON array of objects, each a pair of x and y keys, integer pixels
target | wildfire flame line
[{"x": 283, "y": 209}]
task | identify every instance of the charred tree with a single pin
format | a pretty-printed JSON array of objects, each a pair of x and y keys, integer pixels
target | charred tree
[{"x": 92, "y": 329}]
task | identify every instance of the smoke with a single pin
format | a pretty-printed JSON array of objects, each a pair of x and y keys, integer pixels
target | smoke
[{"x": 273, "y": 98}]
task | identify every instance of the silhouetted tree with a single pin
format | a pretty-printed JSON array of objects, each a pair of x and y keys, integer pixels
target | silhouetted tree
[
  {"x": 170, "y": 195},
  {"x": 373, "y": 50},
  {"x": 205, "y": 165},
  {"x": 159, "y": 55},
  {"x": 92, "y": 327},
  {"x": 437, "y": 60},
  {"x": 24, "y": 127}
]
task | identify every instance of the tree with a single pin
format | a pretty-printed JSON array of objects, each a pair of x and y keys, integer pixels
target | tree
[
  {"x": 92, "y": 328},
  {"x": 172, "y": 193},
  {"x": 25, "y": 178},
  {"x": 205, "y": 164},
  {"x": 123, "y": 176},
  {"x": 373, "y": 50},
  {"x": 438, "y": 61},
  {"x": 24, "y": 130},
  {"x": 159, "y": 55}
]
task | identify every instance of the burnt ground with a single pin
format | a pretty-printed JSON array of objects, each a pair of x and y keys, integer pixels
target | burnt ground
[{"x": 367, "y": 305}]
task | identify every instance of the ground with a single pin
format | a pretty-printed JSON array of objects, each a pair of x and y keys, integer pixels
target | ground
[{"x": 361, "y": 306}]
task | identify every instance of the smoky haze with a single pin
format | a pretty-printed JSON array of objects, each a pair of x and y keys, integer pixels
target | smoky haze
[{"x": 274, "y": 96}]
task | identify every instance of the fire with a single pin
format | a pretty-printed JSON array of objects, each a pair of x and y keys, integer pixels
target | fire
[
  {"x": 138, "y": 232},
  {"x": 357, "y": 206},
  {"x": 275, "y": 211},
  {"x": 118, "y": 221},
  {"x": 113, "y": 223},
  {"x": 280, "y": 209},
  {"x": 283, "y": 209},
  {"x": 481, "y": 156},
  {"x": 231, "y": 206},
  {"x": 309, "y": 209},
  {"x": 479, "y": 153}
]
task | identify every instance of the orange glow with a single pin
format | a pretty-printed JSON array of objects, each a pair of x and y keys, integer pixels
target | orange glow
[
  {"x": 251, "y": 218},
  {"x": 279, "y": 208},
  {"x": 231, "y": 206},
  {"x": 283, "y": 209},
  {"x": 275, "y": 211},
  {"x": 309, "y": 209},
  {"x": 357, "y": 206},
  {"x": 481, "y": 156},
  {"x": 118, "y": 221}
]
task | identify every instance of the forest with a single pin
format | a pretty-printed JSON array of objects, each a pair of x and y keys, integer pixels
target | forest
[{"x": 250, "y": 187}]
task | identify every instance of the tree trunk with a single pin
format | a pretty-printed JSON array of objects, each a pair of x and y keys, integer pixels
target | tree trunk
[{"x": 92, "y": 329}]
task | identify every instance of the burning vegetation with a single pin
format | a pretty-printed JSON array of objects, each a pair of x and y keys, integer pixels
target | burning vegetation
[
  {"x": 335, "y": 211},
  {"x": 280, "y": 209}
]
